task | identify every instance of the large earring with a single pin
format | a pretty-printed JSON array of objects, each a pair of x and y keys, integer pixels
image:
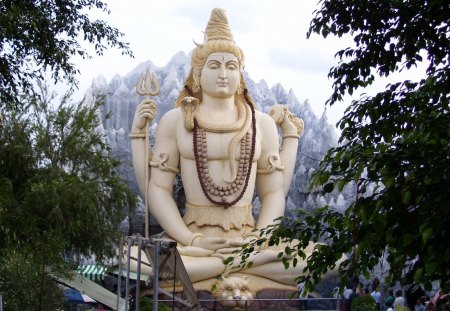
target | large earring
[{"x": 240, "y": 89}]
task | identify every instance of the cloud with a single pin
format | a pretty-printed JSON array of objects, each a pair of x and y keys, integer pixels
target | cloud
[
  {"x": 306, "y": 59},
  {"x": 238, "y": 13}
]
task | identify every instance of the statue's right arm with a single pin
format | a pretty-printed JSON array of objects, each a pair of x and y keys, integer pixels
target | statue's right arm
[
  {"x": 161, "y": 203},
  {"x": 145, "y": 111}
]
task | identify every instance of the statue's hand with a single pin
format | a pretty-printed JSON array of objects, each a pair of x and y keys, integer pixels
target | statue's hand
[
  {"x": 258, "y": 258},
  {"x": 210, "y": 243},
  {"x": 290, "y": 125},
  {"x": 194, "y": 251},
  {"x": 146, "y": 110},
  {"x": 234, "y": 244}
]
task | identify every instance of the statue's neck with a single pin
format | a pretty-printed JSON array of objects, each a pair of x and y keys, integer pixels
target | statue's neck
[{"x": 221, "y": 110}]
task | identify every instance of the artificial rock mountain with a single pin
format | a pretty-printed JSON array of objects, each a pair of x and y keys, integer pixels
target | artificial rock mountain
[{"x": 121, "y": 101}]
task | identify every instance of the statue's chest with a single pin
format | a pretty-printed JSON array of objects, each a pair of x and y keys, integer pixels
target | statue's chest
[{"x": 217, "y": 145}]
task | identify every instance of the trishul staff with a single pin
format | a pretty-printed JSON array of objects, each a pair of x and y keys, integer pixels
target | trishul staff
[{"x": 147, "y": 86}]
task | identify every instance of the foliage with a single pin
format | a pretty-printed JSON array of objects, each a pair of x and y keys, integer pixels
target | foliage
[
  {"x": 24, "y": 282},
  {"x": 147, "y": 304},
  {"x": 59, "y": 194},
  {"x": 41, "y": 36},
  {"x": 395, "y": 147},
  {"x": 364, "y": 303}
]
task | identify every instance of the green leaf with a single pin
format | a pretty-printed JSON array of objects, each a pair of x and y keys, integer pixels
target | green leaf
[
  {"x": 324, "y": 177},
  {"x": 406, "y": 197},
  {"x": 426, "y": 233},
  {"x": 367, "y": 274},
  {"x": 341, "y": 184},
  {"x": 430, "y": 267},
  {"x": 418, "y": 275},
  {"x": 447, "y": 255}
]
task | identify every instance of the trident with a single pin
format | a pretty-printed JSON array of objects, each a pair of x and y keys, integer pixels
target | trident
[{"x": 147, "y": 86}]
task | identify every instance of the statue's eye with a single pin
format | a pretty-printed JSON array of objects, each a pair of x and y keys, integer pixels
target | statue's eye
[
  {"x": 213, "y": 64},
  {"x": 244, "y": 288},
  {"x": 229, "y": 289},
  {"x": 232, "y": 65}
]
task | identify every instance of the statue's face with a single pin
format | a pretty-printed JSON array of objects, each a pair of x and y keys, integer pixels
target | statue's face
[{"x": 220, "y": 76}]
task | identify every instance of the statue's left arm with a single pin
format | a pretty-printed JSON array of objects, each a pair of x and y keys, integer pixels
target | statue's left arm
[
  {"x": 291, "y": 130},
  {"x": 269, "y": 179}
]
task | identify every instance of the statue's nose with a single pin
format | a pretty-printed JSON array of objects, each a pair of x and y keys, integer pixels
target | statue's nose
[
  {"x": 222, "y": 72},
  {"x": 237, "y": 294}
]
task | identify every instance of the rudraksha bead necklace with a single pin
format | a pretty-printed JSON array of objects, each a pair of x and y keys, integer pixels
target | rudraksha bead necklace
[{"x": 240, "y": 184}]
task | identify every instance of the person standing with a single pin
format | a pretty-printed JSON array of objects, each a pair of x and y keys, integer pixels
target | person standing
[
  {"x": 419, "y": 306},
  {"x": 347, "y": 293},
  {"x": 353, "y": 295},
  {"x": 399, "y": 299},
  {"x": 430, "y": 306},
  {"x": 389, "y": 302},
  {"x": 376, "y": 295}
]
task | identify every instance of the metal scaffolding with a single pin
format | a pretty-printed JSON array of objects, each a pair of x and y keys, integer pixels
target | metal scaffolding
[{"x": 166, "y": 265}]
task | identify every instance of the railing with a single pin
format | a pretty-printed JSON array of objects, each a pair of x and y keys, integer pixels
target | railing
[{"x": 310, "y": 304}]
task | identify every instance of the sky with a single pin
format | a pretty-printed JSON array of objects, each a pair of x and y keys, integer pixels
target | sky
[{"x": 271, "y": 33}]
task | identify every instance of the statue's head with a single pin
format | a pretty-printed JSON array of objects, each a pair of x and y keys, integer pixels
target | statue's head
[{"x": 218, "y": 38}]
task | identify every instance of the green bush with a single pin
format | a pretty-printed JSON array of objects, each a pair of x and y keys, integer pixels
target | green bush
[
  {"x": 364, "y": 303},
  {"x": 147, "y": 304}
]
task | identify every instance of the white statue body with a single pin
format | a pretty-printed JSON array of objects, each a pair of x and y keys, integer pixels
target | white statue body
[{"x": 225, "y": 150}]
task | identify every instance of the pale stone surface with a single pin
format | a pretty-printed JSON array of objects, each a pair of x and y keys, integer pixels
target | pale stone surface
[{"x": 219, "y": 187}]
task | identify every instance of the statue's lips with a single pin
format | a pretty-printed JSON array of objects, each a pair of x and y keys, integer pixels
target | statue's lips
[{"x": 223, "y": 84}]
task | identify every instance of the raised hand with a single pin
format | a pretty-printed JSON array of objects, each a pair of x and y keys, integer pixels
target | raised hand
[{"x": 146, "y": 110}]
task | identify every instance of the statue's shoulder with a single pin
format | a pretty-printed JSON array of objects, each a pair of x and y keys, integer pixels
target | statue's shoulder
[
  {"x": 172, "y": 115},
  {"x": 167, "y": 125},
  {"x": 264, "y": 119}
]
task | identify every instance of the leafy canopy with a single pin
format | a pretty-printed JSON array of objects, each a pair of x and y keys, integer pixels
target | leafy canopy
[
  {"x": 57, "y": 176},
  {"x": 41, "y": 36},
  {"x": 364, "y": 303},
  {"x": 395, "y": 147},
  {"x": 60, "y": 196}
]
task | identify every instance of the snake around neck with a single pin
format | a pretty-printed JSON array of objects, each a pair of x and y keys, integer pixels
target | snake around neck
[{"x": 219, "y": 195}]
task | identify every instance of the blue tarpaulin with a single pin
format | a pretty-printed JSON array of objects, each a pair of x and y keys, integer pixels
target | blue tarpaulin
[{"x": 73, "y": 295}]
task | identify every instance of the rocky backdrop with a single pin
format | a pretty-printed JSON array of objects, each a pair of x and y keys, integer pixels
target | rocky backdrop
[{"x": 121, "y": 100}]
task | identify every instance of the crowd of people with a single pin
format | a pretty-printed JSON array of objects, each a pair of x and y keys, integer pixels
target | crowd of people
[{"x": 399, "y": 300}]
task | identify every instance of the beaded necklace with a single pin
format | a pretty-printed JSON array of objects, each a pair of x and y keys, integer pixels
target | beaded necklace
[{"x": 239, "y": 183}]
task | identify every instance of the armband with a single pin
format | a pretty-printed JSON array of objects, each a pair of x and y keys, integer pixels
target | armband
[
  {"x": 274, "y": 165},
  {"x": 162, "y": 164},
  {"x": 137, "y": 135},
  {"x": 291, "y": 136}
]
